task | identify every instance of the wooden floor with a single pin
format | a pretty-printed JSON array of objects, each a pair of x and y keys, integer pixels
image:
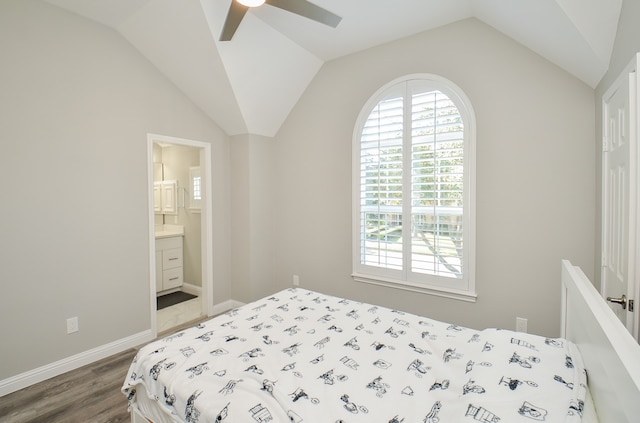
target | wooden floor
[{"x": 90, "y": 394}]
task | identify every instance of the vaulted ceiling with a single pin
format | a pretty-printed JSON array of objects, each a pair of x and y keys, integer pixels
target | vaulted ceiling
[{"x": 251, "y": 83}]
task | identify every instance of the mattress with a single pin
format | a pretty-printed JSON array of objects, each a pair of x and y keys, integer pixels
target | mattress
[{"x": 303, "y": 356}]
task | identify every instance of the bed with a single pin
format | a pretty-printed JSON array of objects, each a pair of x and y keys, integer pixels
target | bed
[
  {"x": 610, "y": 353},
  {"x": 303, "y": 356}
]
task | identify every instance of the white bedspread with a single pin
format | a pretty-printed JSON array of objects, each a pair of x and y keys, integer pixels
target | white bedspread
[{"x": 301, "y": 356}]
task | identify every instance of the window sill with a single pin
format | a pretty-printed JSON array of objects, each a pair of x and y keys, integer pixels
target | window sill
[{"x": 415, "y": 287}]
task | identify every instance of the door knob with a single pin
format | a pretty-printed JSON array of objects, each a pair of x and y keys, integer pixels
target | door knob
[{"x": 622, "y": 301}]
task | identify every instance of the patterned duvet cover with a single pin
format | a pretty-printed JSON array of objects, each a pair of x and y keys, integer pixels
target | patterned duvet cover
[{"x": 302, "y": 356}]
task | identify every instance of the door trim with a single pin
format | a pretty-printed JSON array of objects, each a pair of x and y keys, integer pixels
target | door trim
[{"x": 206, "y": 224}]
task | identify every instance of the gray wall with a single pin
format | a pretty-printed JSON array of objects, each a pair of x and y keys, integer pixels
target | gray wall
[
  {"x": 253, "y": 203},
  {"x": 626, "y": 46},
  {"x": 76, "y": 104},
  {"x": 534, "y": 177}
]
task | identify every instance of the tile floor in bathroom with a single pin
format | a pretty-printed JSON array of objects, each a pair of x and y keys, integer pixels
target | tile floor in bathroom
[{"x": 178, "y": 314}]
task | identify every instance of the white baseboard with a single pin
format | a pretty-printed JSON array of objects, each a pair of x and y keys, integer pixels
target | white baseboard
[
  {"x": 48, "y": 371},
  {"x": 191, "y": 289}
]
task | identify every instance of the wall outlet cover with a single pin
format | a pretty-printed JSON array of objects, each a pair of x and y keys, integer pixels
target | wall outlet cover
[{"x": 72, "y": 325}]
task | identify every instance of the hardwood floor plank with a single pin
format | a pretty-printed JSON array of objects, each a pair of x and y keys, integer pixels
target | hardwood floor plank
[{"x": 88, "y": 394}]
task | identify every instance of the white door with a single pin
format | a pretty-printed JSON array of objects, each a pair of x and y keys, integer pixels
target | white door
[{"x": 619, "y": 187}]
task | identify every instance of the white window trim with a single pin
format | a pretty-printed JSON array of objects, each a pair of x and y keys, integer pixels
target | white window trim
[
  {"x": 416, "y": 287},
  {"x": 359, "y": 271}
]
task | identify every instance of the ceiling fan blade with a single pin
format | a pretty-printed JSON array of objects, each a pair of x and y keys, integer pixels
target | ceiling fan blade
[
  {"x": 308, "y": 10},
  {"x": 234, "y": 17}
]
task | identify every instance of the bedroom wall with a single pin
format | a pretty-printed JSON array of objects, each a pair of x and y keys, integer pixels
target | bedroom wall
[
  {"x": 535, "y": 175},
  {"x": 626, "y": 45},
  {"x": 76, "y": 104},
  {"x": 253, "y": 205}
]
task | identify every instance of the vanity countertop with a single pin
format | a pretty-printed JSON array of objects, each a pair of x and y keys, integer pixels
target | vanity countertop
[{"x": 166, "y": 231}]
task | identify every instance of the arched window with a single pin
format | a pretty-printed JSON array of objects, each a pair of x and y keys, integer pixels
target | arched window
[{"x": 413, "y": 188}]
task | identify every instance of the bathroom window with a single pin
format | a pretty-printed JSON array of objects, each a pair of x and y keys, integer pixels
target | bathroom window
[
  {"x": 414, "y": 187},
  {"x": 195, "y": 197}
]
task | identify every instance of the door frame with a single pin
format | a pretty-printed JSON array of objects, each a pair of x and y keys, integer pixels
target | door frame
[
  {"x": 206, "y": 244},
  {"x": 630, "y": 73}
]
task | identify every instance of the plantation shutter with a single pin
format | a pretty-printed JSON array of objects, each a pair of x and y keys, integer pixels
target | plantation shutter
[
  {"x": 381, "y": 173},
  {"x": 432, "y": 243},
  {"x": 437, "y": 185}
]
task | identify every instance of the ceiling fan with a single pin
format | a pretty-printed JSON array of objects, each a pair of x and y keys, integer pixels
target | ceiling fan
[{"x": 239, "y": 8}]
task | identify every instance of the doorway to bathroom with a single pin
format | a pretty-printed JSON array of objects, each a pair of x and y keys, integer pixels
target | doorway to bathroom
[{"x": 180, "y": 236}]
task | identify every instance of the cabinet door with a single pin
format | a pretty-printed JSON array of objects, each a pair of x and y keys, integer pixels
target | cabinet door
[
  {"x": 157, "y": 197},
  {"x": 169, "y": 194}
]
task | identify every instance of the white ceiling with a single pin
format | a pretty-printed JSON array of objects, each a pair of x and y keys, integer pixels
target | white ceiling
[{"x": 250, "y": 84}]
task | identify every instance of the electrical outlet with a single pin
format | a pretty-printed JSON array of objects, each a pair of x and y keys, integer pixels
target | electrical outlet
[
  {"x": 296, "y": 280},
  {"x": 521, "y": 324},
  {"x": 72, "y": 325}
]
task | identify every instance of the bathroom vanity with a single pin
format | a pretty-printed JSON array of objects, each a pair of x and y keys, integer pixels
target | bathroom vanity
[{"x": 169, "y": 257}]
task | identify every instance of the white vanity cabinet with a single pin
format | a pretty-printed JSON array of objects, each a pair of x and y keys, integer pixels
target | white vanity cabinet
[{"x": 169, "y": 267}]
